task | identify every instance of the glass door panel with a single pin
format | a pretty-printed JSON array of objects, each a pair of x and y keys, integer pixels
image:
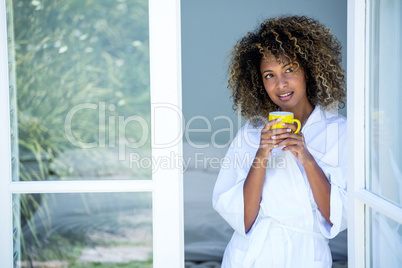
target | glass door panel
[
  {"x": 384, "y": 114},
  {"x": 79, "y": 89},
  {"x": 85, "y": 230},
  {"x": 383, "y": 40},
  {"x": 385, "y": 241}
]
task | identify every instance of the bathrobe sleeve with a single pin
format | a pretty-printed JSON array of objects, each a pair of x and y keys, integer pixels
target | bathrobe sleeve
[
  {"x": 334, "y": 166},
  {"x": 228, "y": 191}
]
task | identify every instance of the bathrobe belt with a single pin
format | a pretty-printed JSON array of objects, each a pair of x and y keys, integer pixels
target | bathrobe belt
[{"x": 259, "y": 235}]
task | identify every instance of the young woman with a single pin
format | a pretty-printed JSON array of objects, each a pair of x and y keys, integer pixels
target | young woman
[{"x": 284, "y": 193}]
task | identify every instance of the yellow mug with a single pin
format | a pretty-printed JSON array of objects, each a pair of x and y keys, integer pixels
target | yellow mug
[{"x": 287, "y": 117}]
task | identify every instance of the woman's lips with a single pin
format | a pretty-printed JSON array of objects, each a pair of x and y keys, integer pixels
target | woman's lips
[{"x": 285, "y": 96}]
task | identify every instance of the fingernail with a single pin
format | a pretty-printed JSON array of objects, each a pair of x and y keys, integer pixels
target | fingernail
[
  {"x": 283, "y": 124},
  {"x": 276, "y": 145},
  {"x": 273, "y": 137},
  {"x": 279, "y": 119},
  {"x": 289, "y": 130}
]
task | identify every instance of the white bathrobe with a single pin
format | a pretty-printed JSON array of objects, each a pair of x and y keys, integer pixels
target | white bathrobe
[{"x": 289, "y": 230}]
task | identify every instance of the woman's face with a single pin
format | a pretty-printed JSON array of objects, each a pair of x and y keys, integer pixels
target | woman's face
[{"x": 284, "y": 83}]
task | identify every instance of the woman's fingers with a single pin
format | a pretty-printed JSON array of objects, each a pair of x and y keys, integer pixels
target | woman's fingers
[
  {"x": 293, "y": 127},
  {"x": 269, "y": 137},
  {"x": 269, "y": 124},
  {"x": 291, "y": 148},
  {"x": 287, "y": 135},
  {"x": 267, "y": 134},
  {"x": 269, "y": 141},
  {"x": 289, "y": 139},
  {"x": 291, "y": 142}
]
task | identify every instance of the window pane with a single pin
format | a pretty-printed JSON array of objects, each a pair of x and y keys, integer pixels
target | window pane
[
  {"x": 85, "y": 230},
  {"x": 385, "y": 241},
  {"x": 79, "y": 87},
  {"x": 384, "y": 64}
]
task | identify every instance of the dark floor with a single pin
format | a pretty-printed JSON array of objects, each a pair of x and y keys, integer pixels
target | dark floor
[{"x": 212, "y": 264}]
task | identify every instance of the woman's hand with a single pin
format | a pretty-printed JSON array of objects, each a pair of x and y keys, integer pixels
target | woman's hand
[
  {"x": 267, "y": 143},
  {"x": 294, "y": 143}
]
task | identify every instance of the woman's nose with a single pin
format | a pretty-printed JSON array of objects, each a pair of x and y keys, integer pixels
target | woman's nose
[{"x": 282, "y": 82}]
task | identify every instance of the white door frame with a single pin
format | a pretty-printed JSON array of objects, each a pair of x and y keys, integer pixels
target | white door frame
[
  {"x": 355, "y": 116},
  {"x": 165, "y": 62},
  {"x": 359, "y": 198},
  {"x": 166, "y": 184}
]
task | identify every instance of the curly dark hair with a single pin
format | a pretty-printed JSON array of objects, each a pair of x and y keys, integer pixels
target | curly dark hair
[{"x": 304, "y": 42}]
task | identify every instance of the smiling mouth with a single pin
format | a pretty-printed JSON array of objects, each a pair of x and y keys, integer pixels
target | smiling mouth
[{"x": 285, "y": 96}]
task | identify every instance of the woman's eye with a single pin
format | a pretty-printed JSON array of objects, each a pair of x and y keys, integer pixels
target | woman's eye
[
  {"x": 268, "y": 76},
  {"x": 289, "y": 70}
]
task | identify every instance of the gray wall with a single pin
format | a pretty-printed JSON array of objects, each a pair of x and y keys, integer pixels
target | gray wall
[{"x": 210, "y": 29}]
